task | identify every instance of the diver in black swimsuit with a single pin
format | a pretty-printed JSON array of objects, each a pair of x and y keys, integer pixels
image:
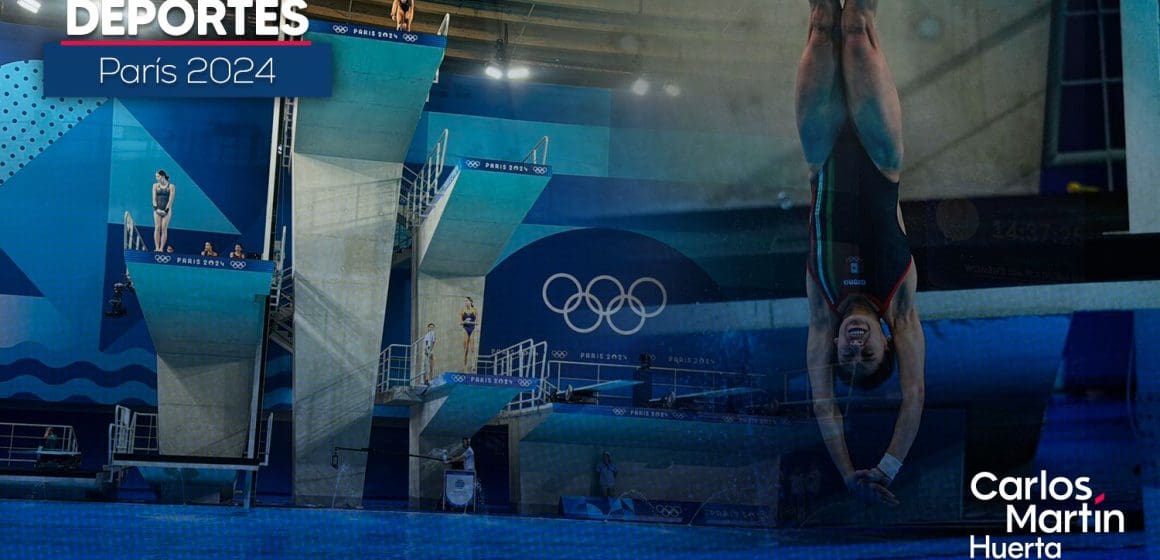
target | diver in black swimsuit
[
  {"x": 163, "y": 193},
  {"x": 860, "y": 273},
  {"x": 403, "y": 12},
  {"x": 469, "y": 318}
]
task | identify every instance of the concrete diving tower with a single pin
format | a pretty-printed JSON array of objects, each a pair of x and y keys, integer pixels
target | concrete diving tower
[
  {"x": 348, "y": 153},
  {"x": 206, "y": 316}
]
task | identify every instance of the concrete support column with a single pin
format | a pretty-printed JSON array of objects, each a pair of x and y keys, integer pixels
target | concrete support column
[
  {"x": 344, "y": 231},
  {"x": 203, "y": 404},
  {"x": 1140, "y": 32}
]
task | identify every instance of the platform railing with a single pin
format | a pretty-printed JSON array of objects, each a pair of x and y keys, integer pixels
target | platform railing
[
  {"x": 395, "y": 367},
  {"x": 265, "y": 436},
  {"x": 420, "y": 189},
  {"x": 445, "y": 26},
  {"x": 539, "y": 153},
  {"x": 665, "y": 380},
  {"x": 527, "y": 359},
  {"x": 23, "y": 444},
  {"x": 132, "y": 239}
]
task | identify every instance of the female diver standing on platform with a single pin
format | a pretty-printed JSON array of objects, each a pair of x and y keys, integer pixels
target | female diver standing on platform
[
  {"x": 403, "y": 11},
  {"x": 163, "y": 192},
  {"x": 468, "y": 317},
  {"x": 860, "y": 271}
]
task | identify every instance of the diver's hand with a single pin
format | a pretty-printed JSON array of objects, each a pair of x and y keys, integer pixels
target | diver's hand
[
  {"x": 873, "y": 475},
  {"x": 867, "y": 490}
]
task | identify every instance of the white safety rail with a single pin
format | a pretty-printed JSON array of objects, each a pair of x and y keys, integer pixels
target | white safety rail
[
  {"x": 265, "y": 436},
  {"x": 665, "y": 380},
  {"x": 528, "y": 359},
  {"x": 24, "y": 444},
  {"x": 419, "y": 189},
  {"x": 133, "y": 433},
  {"x": 539, "y": 153},
  {"x": 395, "y": 367},
  {"x": 132, "y": 238},
  {"x": 445, "y": 26}
]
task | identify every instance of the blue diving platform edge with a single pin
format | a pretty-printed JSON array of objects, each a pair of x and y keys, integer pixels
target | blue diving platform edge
[
  {"x": 467, "y": 401},
  {"x": 380, "y": 84},
  {"x": 192, "y": 303},
  {"x": 480, "y": 205}
]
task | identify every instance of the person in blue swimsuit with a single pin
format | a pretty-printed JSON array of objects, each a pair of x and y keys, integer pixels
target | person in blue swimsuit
[
  {"x": 403, "y": 12},
  {"x": 468, "y": 317},
  {"x": 163, "y": 192},
  {"x": 860, "y": 274}
]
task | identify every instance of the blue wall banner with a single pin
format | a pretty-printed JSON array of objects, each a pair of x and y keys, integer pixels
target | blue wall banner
[
  {"x": 476, "y": 164},
  {"x": 198, "y": 261},
  {"x": 188, "y": 69}
]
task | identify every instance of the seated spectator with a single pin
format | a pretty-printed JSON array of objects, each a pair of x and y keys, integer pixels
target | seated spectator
[
  {"x": 237, "y": 254},
  {"x": 208, "y": 250},
  {"x": 50, "y": 441}
]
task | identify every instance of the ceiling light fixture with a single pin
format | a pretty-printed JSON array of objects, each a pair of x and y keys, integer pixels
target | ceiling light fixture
[
  {"x": 30, "y": 5},
  {"x": 640, "y": 86}
]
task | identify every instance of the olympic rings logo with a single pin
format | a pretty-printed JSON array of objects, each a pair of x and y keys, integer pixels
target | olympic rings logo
[
  {"x": 619, "y": 411},
  {"x": 238, "y": 265},
  {"x": 524, "y": 382},
  {"x": 539, "y": 169},
  {"x": 410, "y": 37},
  {"x": 605, "y": 312},
  {"x": 163, "y": 259},
  {"x": 558, "y": 354},
  {"x": 472, "y": 164},
  {"x": 340, "y": 29},
  {"x": 458, "y": 378},
  {"x": 666, "y": 510}
]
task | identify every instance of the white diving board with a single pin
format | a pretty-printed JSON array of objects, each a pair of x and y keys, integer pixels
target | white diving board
[{"x": 605, "y": 386}]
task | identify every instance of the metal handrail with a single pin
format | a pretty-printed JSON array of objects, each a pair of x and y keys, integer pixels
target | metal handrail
[
  {"x": 539, "y": 153},
  {"x": 264, "y": 445},
  {"x": 445, "y": 26},
  {"x": 131, "y": 238},
  {"x": 717, "y": 379},
  {"x": 23, "y": 443},
  {"x": 421, "y": 189},
  {"x": 395, "y": 367}
]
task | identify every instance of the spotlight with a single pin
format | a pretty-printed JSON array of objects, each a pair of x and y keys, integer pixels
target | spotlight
[
  {"x": 494, "y": 72},
  {"x": 518, "y": 73},
  {"x": 640, "y": 86},
  {"x": 30, "y": 5},
  {"x": 672, "y": 89}
]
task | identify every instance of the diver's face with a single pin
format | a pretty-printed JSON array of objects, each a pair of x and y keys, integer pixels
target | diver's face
[{"x": 861, "y": 343}]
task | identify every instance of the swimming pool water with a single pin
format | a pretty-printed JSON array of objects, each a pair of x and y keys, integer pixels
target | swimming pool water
[{"x": 60, "y": 530}]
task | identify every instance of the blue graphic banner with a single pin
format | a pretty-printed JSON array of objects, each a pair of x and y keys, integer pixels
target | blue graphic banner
[
  {"x": 487, "y": 380},
  {"x": 668, "y": 414},
  {"x": 187, "y": 69},
  {"x": 175, "y": 259},
  {"x": 377, "y": 33},
  {"x": 476, "y": 164}
]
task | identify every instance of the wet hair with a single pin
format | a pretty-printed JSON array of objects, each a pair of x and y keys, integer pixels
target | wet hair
[
  {"x": 162, "y": 173},
  {"x": 430, "y": 324},
  {"x": 870, "y": 380}
]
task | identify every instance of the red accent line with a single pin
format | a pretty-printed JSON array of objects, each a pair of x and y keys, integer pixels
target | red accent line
[
  {"x": 135, "y": 43},
  {"x": 898, "y": 284},
  {"x": 1099, "y": 499}
]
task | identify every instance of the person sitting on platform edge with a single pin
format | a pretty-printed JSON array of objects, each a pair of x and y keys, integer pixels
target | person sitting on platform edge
[
  {"x": 607, "y": 471},
  {"x": 237, "y": 253},
  {"x": 465, "y": 457},
  {"x": 208, "y": 250}
]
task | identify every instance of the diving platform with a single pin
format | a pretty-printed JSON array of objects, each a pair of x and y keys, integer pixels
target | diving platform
[
  {"x": 206, "y": 316},
  {"x": 347, "y": 164},
  {"x": 482, "y": 203},
  {"x": 381, "y": 81},
  {"x": 667, "y": 429},
  {"x": 459, "y": 404}
]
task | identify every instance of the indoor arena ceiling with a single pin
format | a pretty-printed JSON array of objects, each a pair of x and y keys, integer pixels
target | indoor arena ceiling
[{"x": 596, "y": 42}]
